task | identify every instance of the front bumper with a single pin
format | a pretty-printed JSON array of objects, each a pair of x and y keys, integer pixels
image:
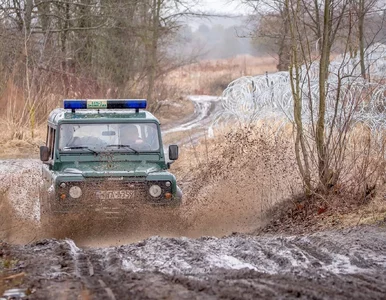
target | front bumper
[{"x": 111, "y": 198}]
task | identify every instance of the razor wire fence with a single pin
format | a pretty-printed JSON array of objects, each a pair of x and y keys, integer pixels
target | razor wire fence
[{"x": 349, "y": 96}]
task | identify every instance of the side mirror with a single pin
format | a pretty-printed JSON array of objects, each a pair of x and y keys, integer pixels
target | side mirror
[
  {"x": 173, "y": 152},
  {"x": 44, "y": 153}
]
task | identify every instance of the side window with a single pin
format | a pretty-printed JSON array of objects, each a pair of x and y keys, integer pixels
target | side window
[
  {"x": 51, "y": 141},
  {"x": 151, "y": 136},
  {"x": 48, "y": 136}
]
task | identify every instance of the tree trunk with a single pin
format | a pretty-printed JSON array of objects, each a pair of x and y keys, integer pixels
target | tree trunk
[
  {"x": 301, "y": 153},
  {"x": 323, "y": 76},
  {"x": 153, "y": 49},
  {"x": 317, "y": 24},
  {"x": 284, "y": 47},
  {"x": 28, "y": 16},
  {"x": 361, "y": 20}
]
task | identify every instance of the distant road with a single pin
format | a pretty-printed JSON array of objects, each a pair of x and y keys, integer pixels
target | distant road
[{"x": 206, "y": 110}]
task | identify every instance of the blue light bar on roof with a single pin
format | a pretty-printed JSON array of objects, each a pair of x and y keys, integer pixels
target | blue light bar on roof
[{"x": 105, "y": 104}]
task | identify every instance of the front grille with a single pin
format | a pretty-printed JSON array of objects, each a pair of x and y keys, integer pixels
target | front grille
[
  {"x": 91, "y": 187},
  {"x": 90, "y": 200},
  {"x": 91, "y": 196}
]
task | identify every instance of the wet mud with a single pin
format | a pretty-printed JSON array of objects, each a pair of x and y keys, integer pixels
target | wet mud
[{"x": 346, "y": 264}]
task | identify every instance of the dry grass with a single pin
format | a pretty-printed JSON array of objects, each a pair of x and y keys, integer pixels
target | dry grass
[
  {"x": 211, "y": 77},
  {"x": 23, "y": 119},
  {"x": 372, "y": 212},
  {"x": 174, "y": 111},
  {"x": 298, "y": 215},
  {"x": 23, "y": 147}
]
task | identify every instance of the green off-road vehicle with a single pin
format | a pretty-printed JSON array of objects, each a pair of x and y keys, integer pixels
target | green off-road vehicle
[{"x": 105, "y": 156}]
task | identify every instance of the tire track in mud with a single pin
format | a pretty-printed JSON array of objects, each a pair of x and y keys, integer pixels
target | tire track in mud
[
  {"x": 341, "y": 264},
  {"x": 84, "y": 270}
]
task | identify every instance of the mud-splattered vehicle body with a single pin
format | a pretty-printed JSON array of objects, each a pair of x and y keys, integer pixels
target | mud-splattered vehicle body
[{"x": 105, "y": 156}]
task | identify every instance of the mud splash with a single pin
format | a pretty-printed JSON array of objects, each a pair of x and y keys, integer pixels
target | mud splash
[
  {"x": 19, "y": 182},
  {"x": 20, "y": 216}
]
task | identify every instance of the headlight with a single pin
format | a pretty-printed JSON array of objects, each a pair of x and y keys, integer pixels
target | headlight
[
  {"x": 167, "y": 183},
  {"x": 155, "y": 191},
  {"x": 75, "y": 192},
  {"x": 62, "y": 185}
]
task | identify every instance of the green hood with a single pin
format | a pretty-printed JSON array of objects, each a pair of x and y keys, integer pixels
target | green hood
[{"x": 110, "y": 169}]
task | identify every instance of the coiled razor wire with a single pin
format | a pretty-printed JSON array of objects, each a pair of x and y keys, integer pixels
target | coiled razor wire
[{"x": 252, "y": 98}]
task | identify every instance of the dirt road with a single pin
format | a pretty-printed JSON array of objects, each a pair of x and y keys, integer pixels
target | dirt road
[
  {"x": 206, "y": 110},
  {"x": 348, "y": 264}
]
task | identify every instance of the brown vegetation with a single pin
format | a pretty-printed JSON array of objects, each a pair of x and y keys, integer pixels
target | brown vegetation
[
  {"x": 211, "y": 77},
  {"x": 297, "y": 215}
]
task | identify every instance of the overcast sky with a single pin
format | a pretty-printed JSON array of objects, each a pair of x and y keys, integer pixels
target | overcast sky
[{"x": 224, "y": 6}]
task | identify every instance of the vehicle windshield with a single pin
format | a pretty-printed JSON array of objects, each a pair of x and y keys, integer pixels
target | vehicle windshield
[{"x": 116, "y": 137}]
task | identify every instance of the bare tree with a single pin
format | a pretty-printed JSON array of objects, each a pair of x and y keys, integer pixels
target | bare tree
[
  {"x": 321, "y": 146},
  {"x": 87, "y": 48},
  {"x": 271, "y": 23}
]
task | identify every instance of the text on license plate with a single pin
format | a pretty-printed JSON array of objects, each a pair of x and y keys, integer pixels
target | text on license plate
[{"x": 115, "y": 194}]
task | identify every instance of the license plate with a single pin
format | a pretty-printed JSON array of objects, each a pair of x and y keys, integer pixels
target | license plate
[{"x": 114, "y": 195}]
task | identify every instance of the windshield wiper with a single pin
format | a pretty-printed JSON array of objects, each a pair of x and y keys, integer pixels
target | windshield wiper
[
  {"x": 82, "y": 147},
  {"x": 124, "y": 146}
]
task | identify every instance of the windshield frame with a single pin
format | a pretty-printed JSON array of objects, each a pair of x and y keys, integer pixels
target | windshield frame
[{"x": 112, "y": 150}]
